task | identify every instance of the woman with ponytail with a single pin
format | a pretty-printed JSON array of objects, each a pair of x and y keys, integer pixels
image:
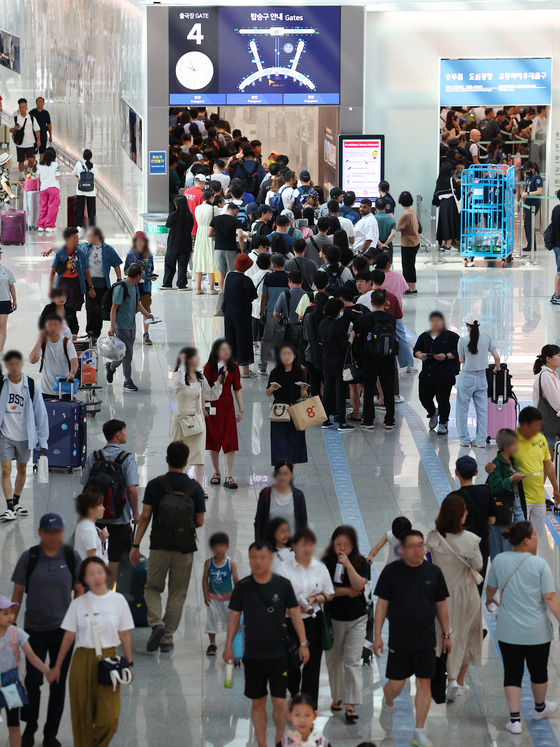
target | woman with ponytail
[
  {"x": 85, "y": 172},
  {"x": 546, "y": 391},
  {"x": 523, "y": 626},
  {"x": 473, "y": 351}
]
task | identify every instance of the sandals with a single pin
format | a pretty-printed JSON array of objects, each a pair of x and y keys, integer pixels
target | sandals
[
  {"x": 216, "y": 479},
  {"x": 230, "y": 483},
  {"x": 351, "y": 716},
  {"x": 336, "y": 706}
]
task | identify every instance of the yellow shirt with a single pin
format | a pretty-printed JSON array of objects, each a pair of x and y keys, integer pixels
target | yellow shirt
[{"x": 529, "y": 459}]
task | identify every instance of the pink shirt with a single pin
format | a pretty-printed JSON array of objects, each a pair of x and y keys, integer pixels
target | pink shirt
[
  {"x": 395, "y": 283},
  {"x": 550, "y": 386}
]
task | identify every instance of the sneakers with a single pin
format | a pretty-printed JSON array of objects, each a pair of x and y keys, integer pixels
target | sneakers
[
  {"x": 420, "y": 738},
  {"x": 432, "y": 423},
  {"x": 262, "y": 370},
  {"x": 166, "y": 648},
  {"x": 462, "y": 690},
  {"x": 368, "y": 426},
  {"x": 451, "y": 692},
  {"x": 390, "y": 426},
  {"x": 166, "y": 287},
  {"x": 146, "y": 339},
  {"x": 211, "y": 650},
  {"x": 186, "y": 288},
  {"x": 399, "y": 399},
  {"x": 353, "y": 419},
  {"x": 327, "y": 424},
  {"x": 410, "y": 369},
  {"x": 21, "y": 510},
  {"x": 386, "y": 716},
  {"x": 8, "y": 515},
  {"x": 555, "y": 300},
  {"x": 477, "y": 446},
  {"x": 549, "y": 708},
  {"x": 514, "y": 727},
  {"x": 158, "y": 631},
  {"x": 465, "y": 446},
  {"x": 110, "y": 374},
  {"x": 345, "y": 428},
  {"x": 130, "y": 386},
  {"x": 249, "y": 375},
  {"x": 441, "y": 430}
]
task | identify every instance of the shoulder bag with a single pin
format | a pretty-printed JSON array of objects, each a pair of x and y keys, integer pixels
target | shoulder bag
[
  {"x": 113, "y": 670},
  {"x": 475, "y": 574},
  {"x": 219, "y": 310},
  {"x": 511, "y": 575},
  {"x": 192, "y": 425},
  {"x": 18, "y": 135},
  {"x": 291, "y": 644},
  {"x": 550, "y": 421}
]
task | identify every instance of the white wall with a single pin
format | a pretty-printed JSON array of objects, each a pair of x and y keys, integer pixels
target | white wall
[{"x": 402, "y": 68}]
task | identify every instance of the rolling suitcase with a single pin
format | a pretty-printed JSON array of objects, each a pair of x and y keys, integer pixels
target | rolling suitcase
[
  {"x": 499, "y": 384},
  {"x": 501, "y": 415},
  {"x": 12, "y": 227},
  {"x": 67, "y": 444},
  {"x": 72, "y": 212},
  {"x": 131, "y": 581},
  {"x": 31, "y": 209},
  {"x": 5, "y": 136}
]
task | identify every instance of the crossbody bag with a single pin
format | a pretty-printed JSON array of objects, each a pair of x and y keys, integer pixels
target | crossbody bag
[
  {"x": 511, "y": 575},
  {"x": 475, "y": 574},
  {"x": 291, "y": 645},
  {"x": 113, "y": 670}
]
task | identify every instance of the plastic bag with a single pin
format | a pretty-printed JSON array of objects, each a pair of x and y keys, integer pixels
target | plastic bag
[
  {"x": 43, "y": 468},
  {"x": 111, "y": 348}
]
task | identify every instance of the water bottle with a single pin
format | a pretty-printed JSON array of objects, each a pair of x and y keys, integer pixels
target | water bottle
[
  {"x": 305, "y": 606},
  {"x": 338, "y": 573},
  {"x": 228, "y": 681}
]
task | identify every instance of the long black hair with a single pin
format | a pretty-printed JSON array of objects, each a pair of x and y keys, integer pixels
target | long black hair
[
  {"x": 189, "y": 353},
  {"x": 184, "y": 215},
  {"x": 279, "y": 245},
  {"x": 49, "y": 156},
  {"x": 273, "y": 526},
  {"x": 330, "y": 557},
  {"x": 548, "y": 351},
  {"x": 213, "y": 357},
  {"x": 474, "y": 334},
  {"x": 319, "y": 301},
  {"x": 87, "y": 154}
]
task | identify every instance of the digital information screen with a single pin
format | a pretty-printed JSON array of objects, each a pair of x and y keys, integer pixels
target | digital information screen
[
  {"x": 361, "y": 164},
  {"x": 498, "y": 82},
  {"x": 256, "y": 56}
]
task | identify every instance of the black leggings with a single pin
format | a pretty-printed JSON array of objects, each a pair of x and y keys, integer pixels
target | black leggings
[
  {"x": 516, "y": 655},
  {"x": 442, "y": 392}
]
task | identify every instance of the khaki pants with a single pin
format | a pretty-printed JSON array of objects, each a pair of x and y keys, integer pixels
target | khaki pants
[
  {"x": 95, "y": 708},
  {"x": 343, "y": 660},
  {"x": 178, "y": 566}
]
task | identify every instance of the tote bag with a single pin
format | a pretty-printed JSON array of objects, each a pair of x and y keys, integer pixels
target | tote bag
[
  {"x": 307, "y": 413},
  {"x": 279, "y": 413}
]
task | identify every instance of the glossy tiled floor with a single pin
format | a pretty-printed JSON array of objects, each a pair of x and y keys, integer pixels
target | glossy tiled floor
[{"x": 180, "y": 699}]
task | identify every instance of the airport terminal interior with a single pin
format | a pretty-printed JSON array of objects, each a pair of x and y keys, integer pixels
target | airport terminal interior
[{"x": 403, "y": 106}]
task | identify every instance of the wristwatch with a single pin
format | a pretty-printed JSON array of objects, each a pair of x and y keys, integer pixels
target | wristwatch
[
  {"x": 305, "y": 644},
  {"x": 136, "y": 547},
  {"x": 447, "y": 635}
]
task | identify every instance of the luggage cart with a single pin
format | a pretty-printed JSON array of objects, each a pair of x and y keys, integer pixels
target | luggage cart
[
  {"x": 87, "y": 361},
  {"x": 487, "y": 212}
]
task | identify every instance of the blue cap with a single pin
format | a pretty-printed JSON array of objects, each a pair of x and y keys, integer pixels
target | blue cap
[
  {"x": 466, "y": 466},
  {"x": 51, "y": 522},
  {"x": 265, "y": 209},
  {"x": 252, "y": 207}
]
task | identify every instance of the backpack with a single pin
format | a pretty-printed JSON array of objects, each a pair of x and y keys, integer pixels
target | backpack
[
  {"x": 303, "y": 195},
  {"x": 86, "y": 180},
  {"x": 381, "y": 341},
  {"x": 175, "y": 527},
  {"x": 258, "y": 227},
  {"x": 30, "y": 381},
  {"x": 107, "y": 477},
  {"x": 107, "y": 301},
  {"x": 276, "y": 202},
  {"x": 250, "y": 181},
  {"x": 548, "y": 237},
  {"x": 33, "y": 559},
  {"x": 335, "y": 278},
  {"x": 243, "y": 217},
  {"x": 18, "y": 135},
  {"x": 43, "y": 348}
]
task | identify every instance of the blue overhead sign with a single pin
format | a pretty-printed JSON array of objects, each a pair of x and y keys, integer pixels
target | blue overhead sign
[
  {"x": 496, "y": 82},
  {"x": 157, "y": 162}
]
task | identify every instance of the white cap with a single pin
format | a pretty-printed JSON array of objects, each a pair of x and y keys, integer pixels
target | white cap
[{"x": 472, "y": 318}]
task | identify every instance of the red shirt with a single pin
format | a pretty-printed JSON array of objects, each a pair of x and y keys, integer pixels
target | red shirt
[
  {"x": 194, "y": 199},
  {"x": 392, "y": 304}
]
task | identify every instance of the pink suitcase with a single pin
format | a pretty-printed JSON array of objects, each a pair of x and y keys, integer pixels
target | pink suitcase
[
  {"x": 501, "y": 416},
  {"x": 12, "y": 227}
]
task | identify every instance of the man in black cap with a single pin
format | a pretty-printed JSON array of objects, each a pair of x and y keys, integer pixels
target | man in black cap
[
  {"x": 263, "y": 224},
  {"x": 305, "y": 187}
]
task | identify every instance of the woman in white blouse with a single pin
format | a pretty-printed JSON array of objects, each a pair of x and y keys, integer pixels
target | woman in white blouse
[
  {"x": 95, "y": 708},
  {"x": 89, "y": 540},
  {"x": 546, "y": 391},
  {"x": 313, "y": 587},
  {"x": 189, "y": 418}
]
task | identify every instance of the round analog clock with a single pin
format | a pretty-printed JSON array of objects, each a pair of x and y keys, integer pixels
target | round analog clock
[{"x": 194, "y": 70}]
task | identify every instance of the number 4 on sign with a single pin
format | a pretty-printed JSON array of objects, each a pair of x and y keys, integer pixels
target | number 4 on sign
[{"x": 195, "y": 34}]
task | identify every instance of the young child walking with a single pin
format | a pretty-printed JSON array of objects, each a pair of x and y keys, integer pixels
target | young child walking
[
  {"x": 12, "y": 693},
  {"x": 218, "y": 580},
  {"x": 302, "y": 713},
  {"x": 399, "y": 526}
]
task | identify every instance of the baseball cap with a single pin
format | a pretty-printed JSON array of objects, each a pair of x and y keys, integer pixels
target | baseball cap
[
  {"x": 472, "y": 318},
  {"x": 466, "y": 466},
  {"x": 6, "y": 603},
  {"x": 253, "y": 207},
  {"x": 51, "y": 522},
  {"x": 265, "y": 209},
  {"x": 274, "y": 153},
  {"x": 304, "y": 175},
  {"x": 336, "y": 192}
]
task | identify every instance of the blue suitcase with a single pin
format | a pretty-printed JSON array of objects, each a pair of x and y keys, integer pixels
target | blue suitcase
[{"x": 67, "y": 445}]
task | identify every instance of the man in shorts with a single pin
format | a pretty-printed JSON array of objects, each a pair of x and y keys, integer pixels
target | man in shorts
[
  {"x": 265, "y": 599},
  {"x": 23, "y": 426},
  {"x": 25, "y": 151},
  {"x": 411, "y": 594}
]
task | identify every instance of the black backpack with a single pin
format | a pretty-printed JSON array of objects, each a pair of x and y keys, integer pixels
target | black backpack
[
  {"x": 381, "y": 341},
  {"x": 30, "y": 382},
  {"x": 33, "y": 559},
  {"x": 86, "y": 181},
  {"x": 107, "y": 477},
  {"x": 107, "y": 301},
  {"x": 175, "y": 527},
  {"x": 250, "y": 181},
  {"x": 335, "y": 278}
]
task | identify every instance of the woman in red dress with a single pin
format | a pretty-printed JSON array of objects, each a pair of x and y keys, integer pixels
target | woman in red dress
[{"x": 221, "y": 428}]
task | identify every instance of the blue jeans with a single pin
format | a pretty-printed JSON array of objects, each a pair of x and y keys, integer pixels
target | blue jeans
[
  {"x": 405, "y": 354},
  {"x": 556, "y": 251},
  {"x": 498, "y": 543},
  {"x": 518, "y": 514},
  {"x": 472, "y": 385}
]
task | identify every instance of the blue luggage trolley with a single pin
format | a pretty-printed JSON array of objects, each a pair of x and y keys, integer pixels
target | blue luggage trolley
[{"x": 487, "y": 212}]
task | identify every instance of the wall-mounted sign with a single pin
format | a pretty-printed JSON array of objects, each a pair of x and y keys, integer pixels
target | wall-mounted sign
[
  {"x": 361, "y": 164},
  {"x": 157, "y": 162}
]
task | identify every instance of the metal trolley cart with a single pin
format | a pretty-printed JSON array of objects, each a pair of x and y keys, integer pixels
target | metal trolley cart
[
  {"x": 487, "y": 212},
  {"x": 87, "y": 360}
]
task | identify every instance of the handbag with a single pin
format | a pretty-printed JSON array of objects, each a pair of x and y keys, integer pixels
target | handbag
[
  {"x": 550, "y": 426},
  {"x": 351, "y": 372},
  {"x": 307, "y": 413},
  {"x": 291, "y": 644},
  {"x": 438, "y": 682},
  {"x": 327, "y": 634},
  {"x": 113, "y": 670},
  {"x": 475, "y": 574},
  {"x": 279, "y": 413},
  {"x": 219, "y": 309},
  {"x": 192, "y": 425}
]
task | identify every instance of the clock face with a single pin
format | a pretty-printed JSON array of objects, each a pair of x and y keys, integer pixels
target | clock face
[{"x": 194, "y": 70}]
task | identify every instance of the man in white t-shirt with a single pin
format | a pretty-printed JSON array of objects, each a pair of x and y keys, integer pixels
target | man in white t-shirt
[
  {"x": 23, "y": 426},
  {"x": 345, "y": 223},
  {"x": 218, "y": 174},
  {"x": 288, "y": 191},
  {"x": 31, "y": 141},
  {"x": 57, "y": 355},
  {"x": 366, "y": 229}
]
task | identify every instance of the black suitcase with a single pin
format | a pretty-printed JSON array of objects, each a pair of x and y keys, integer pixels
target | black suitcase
[{"x": 500, "y": 389}]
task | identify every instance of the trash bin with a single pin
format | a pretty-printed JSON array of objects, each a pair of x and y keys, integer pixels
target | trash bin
[{"x": 154, "y": 226}]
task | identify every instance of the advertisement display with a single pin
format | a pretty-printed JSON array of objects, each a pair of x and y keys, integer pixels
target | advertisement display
[
  {"x": 361, "y": 164},
  {"x": 496, "y": 82},
  {"x": 271, "y": 55}
]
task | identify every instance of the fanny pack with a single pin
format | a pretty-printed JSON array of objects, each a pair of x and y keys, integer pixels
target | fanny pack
[{"x": 113, "y": 670}]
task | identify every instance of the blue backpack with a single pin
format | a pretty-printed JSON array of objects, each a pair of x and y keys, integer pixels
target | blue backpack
[
  {"x": 243, "y": 217},
  {"x": 276, "y": 201},
  {"x": 303, "y": 195}
]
